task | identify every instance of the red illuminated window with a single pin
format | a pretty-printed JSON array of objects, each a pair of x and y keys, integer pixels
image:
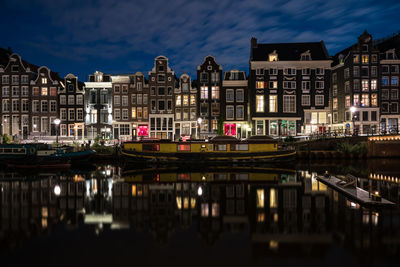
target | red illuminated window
[
  {"x": 230, "y": 129},
  {"x": 143, "y": 130},
  {"x": 185, "y": 147}
]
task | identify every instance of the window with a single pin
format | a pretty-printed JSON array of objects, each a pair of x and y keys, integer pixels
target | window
[
  {"x": 161, "y": 78},
  {"x": 15, "y": 105},
  {"x": 44, "y": 80},
  {"x": 356, "y": 85},
  {"x": 79, "y": 99},
  {"x": 161, "y": 105},
  {"x": 374, "y": 100},
  {"x": 117, "y": 114},
  {"x": 346, "y": 73},
  {"x": 71, "y": 114},
  {"x": 93, "y": 97},
  {"x": 103, "y": 97},
  {"x": 347, "y": 101},
  {"x": 125, "y": 100},
  {"x": 305, "y": 57},
  {"x": 385, "y": 69},
  {"x": 273, "y": 71},
  {"x": 394, "y": 94},
  {"x": 63, "y": 114},
  {"x": 365, "y": 84},
  {"x": 365, "y": 59},
  {"x": 204, "y": 92},
  {"x": 334, "y": 78},
  {"x": 192, "y": 100},
  {"x": 15, "y": 91},
  {"x": 385, "y": 94},
  {"x": 373, "y": 85},
  {"x": 273, "y": 85},
  {"x": 319, "y": 85},
  {"x": 239, "y": 112},
  {"x": 259, "y": 103},
  {"x": 145, "y": 112},
  {"x": 204, "y": 109},
  {"x": 215, "y": 92},
  {"x": 139, "y": 99},
  {"x": 394, "y": 81},
  {"x": 133, "y": 99},
  {"x": 186, "y": 100},
  {"x": 305, "y": 85},
  {"x": 356, "y": 100},
  {"x": 385, "y": 81},
  {"x": 365, "y": 115},
  {"x": 124, "y": 89},
  {"x": 139, "y": 86},
  {"x": 289, "y": 85},
  {"x": 215, "y": 77},
  {"x": 153, "y": 105},
  {"x": 185, "y": 87},
  {"x": 356, "y": 71},
  {"x": 161, "y": 91},
  {"x": 71, "y": 100},
  {"x": 204, "y": 77},
  {"x": 335, "y": 103},
  {"x": 239, "y": 95},
  {"x": 6, "y": 91},
  {"x": 364, "y": 71},
  {"x": 273, "y": 57},
  {"x": 373, "y": 115},
  {"x": 133, "y": 113},
  {"x": 169, "y": 90},
  {"x": 44, "y": 91},
  {"x": 45, "y": 124},
  {"x": 70, "y": 87},
  {"x": 394, "y": 107},
  {"x": 356, "y": 58},
  {"x": 319, "y": 71},
  {"x": 153, "y": 91},
  {"x": 53, "y": 106},
  {"x": 273, "y": 103},
  {"x": 177, "y": 114},
  {"x": 215, "y": 109},
  {"x": 319, "y": 100},
  {"x": 229, "y": 112},
  {"x": 45, "y": 106},
  {"x": 229, "y": 95},
  {"x": 139, "y": 112},
  {"x": 289, "y": 71},
  {"x": 124, "y": 129},
  {"x": 305, "y": 100},
  {"x": 79, "y": 114},
  {"x": 125, "y": 114},
  {"x": 169, "y": 104},
  {"x": 373, "y": 71},
  {"x": 178, "y": 100},
  {"x": 5, "y": 79},
  {"x": 259, "y": 71},
  {"x": 25, "y": 105},
  {"x": 289, "y": 104},
  {"x": 385, "y": 107},
  {"x": 116, "y": 89},
  {"x": 394, "y": 69},
  {"x": 259, "y": 85},
  {"x": 347, "y": 87},
  {"x": 35, "y": 106},
  {"x": 334, "y": 90},
  {"x": 117, "y": 100},
  {"x": 306, "y": 71},
  {"x": 6, "y": 105}
]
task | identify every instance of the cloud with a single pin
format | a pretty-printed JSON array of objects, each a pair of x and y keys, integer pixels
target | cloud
[{"x": 112, "y": 32}]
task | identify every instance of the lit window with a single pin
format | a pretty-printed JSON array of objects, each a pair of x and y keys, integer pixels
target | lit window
[
  {"x": 260, "y": 198},
  {"x": 273, "y": 100},
  {"x": 259, "y": 103},
  {"x": 44, "y": 91}
]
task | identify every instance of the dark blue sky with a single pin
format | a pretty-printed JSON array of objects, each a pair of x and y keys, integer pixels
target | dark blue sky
[{"x": 80, "y": 36}]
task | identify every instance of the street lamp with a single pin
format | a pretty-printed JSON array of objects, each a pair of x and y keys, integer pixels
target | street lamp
[
  {"x": 57, "y": 122},
  {"x": 353, "y": 117},
  {"x": 199, "y": 120}
]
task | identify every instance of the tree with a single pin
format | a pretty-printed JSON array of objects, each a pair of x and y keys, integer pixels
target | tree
[{"x": 220, "y": 129}]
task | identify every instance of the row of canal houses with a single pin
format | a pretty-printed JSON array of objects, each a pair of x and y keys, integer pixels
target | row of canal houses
[{"x": 291, "y": 89}]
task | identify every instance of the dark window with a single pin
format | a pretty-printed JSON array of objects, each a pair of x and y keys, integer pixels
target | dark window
[
  {"x": 93, "y": 98},
  {"x": 170, "y": 124},
  {"x": 364, "y": 71},
  {"x": 365, "y": 115},
  {"x": 14, "y": 68},
  {"x": 161, "y": 90},
  {"x": 169, "y": 90},
  {"x": 373, "y": 116},
  {"x": 158, "y": 123},
  {"x": 152, "y": 124},
  {"x": 153, "y": 105},
  {"x": 151, "y": 147},
  {"x": 169, "y": 103},
  {"x": 160, "y": 68},
  {"x": 70, "y": 87},
  {"x": 204, "y": 77},
  {"x": 153, "y": 91},
  {"x": 161, "y": 105},
  {"x": 357, "y": 115}
]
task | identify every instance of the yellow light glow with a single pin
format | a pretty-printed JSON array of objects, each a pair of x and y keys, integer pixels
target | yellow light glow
[
  {"x": 133, "y": 190},
  {"x": 260, "y": 198}
]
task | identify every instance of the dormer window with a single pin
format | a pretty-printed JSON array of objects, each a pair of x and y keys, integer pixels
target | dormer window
[
  {"x": 273, "y": 56},
  {"x": 14, "y": 68},
  {"x": 365, "y": 48},
  {"x": 306, "y": 56},
  {"x": 99, "y": 78},
  {"x": 390, "y": 55},
  {"x": 44, "y": 80}
]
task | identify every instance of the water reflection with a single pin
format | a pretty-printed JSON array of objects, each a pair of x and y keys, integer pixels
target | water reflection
[{"x": 284, "y": 212}]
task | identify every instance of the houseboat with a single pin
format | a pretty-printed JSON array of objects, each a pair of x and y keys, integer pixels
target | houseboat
[
  {"x": 219, "y": 149},
  {"x": 40, "y": 154}
]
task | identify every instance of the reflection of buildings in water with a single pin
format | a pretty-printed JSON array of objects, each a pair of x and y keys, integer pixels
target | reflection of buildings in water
[{"x": 284, "y": 211}]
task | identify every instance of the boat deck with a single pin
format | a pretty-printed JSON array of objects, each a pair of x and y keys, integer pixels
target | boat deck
[{"x": 357, "y": 194}]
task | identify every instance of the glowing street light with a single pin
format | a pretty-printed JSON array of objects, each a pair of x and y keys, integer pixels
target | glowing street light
[
  {"x": 199, "y": 120},
  {"x": 200, "y": 191},
  {"x": 57, "y": 190},
  {"x": 57, "y": 122}
]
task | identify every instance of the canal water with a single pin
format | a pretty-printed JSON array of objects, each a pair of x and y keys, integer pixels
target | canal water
[{"x": 105, "y": 215}]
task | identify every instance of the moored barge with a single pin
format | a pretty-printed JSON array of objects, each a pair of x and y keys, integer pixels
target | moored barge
[{"x": 218, "y": 149}]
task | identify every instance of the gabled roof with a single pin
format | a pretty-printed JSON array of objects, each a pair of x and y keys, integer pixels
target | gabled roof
[{"x": 289, "y": 51}]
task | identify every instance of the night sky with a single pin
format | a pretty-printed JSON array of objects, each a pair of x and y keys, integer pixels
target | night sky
[{"x": 125, "y": 36}]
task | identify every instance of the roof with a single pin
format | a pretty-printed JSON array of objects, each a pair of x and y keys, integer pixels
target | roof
[
  {"x": 289, "y": 51},
  {"x": 390, "y": 43}
]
